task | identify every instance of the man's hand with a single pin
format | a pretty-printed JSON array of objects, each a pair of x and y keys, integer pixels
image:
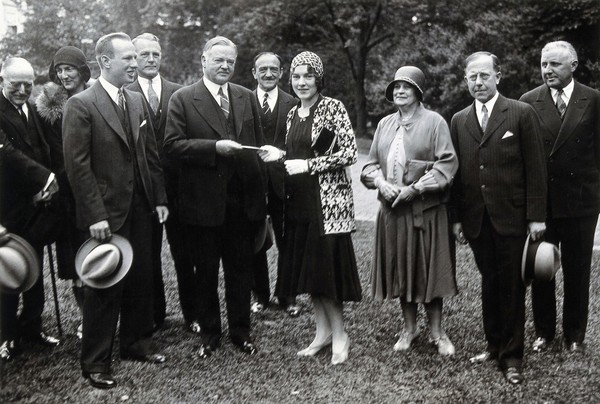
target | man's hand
[
  {"x": 47, "y": 193},
  {"x": 388, "y": 190},
  {"x": 100, "y": 231},
  {"x": 457, "y": 229},
  {"x": 163, "y": 213},
  {"x": 228, "y": 147},
  {"x": 297, "y": 166},
  {"x": 270, "y": 153},
  {"x": 536, "y": 230}
]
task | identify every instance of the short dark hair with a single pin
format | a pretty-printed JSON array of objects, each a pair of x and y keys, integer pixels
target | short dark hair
[
  {"x": 267, "y": 53},
  {"x": 473, "y": 56},
  {"x": 104, "y": 46},
  {"x": 218, "y": 40}
]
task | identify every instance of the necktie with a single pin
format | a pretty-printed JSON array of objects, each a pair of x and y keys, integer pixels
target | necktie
[
  {"x": 265, "y": 105},
  {"x": 484, "y": 118},
  {"x": 560, "y": 104},
  {"x": 152, "y": 97},
  {"x": 224, "y": 102},
  {"x": 22, "y": 113},
  {"x": 121, "y": 100}
]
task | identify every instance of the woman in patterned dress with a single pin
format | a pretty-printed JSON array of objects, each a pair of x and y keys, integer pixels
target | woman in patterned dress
[
  {"x": 319, "y": 209},
  {"x": 412, "y": 163}
]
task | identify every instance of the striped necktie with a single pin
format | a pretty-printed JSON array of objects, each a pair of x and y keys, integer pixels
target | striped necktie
[
  {"x": 560, "y": 104},
  {"x": 224, "y": 102},
  {"x": 265, "y": 105},
  {"x": 152, "y": 97},
  {"x": 121, "y": 100},
  {"x": 484, "y": 118}
]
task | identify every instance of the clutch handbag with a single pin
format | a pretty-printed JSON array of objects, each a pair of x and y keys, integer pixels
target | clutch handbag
[
  {"x": 325, "y": 143},
  {"x": 415, "y": 169}
]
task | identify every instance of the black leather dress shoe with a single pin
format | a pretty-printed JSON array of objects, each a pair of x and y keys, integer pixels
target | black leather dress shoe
[
  {"x": 575, "y": 347},
  {"x": 514, "y": 375},
  {"x": 149, "y": 358},
  {"x": 258, "y": 307},
  {"x": 194, "y": 327},
  {"x": 205, "y": 351},
  {"x": 247, "y": 347},
  {"x": 8, "y": 350},
  {"x": 293, "y": 310},
  {"x": 100, "y": 380},
  {"x": 482, "y": 357},
  {"x": 42, "y": 339}
]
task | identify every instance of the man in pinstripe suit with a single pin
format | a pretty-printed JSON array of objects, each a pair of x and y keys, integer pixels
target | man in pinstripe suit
[{"x": 498, "y": 197}]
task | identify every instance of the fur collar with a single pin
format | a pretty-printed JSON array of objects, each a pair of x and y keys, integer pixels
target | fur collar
[{"x": 51, "y": 102}]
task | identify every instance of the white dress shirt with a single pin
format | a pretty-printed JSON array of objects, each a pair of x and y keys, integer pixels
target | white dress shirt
[
  {"x": 213, "y": 88},
  {"x": 567, "y": 92},
  {"x": 489, "y": 105},
  {"x": 272, "y": 100}
]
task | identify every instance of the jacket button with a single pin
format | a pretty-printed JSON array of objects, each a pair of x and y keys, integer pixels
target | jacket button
[
  {"x": 483, "y": 186},
  {"x": 481, "y": 167}
]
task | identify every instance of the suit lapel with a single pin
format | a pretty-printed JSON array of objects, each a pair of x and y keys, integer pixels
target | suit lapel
[
  {"x": 281, "y": 114},
  {"x": 237, "y": 107},
  {"x": 546, "y": 110},
  {"x": 472, "y": 124},
  {"x": 134, "y": 111},
  {"x": 577, "y": 106},
  {"x": 496, "y": 118},
  {"x": 205, "y": 105},
  {"x": 104, "y": 105}
]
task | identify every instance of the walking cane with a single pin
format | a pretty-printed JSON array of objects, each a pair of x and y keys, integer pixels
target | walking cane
[{"x": 53, "y": 278}]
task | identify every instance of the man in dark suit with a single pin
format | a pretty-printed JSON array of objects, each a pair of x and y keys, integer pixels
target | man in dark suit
[
  {"x": 274, "y": 106},
  {"x": 114, "y": 170},
  {"x": 498, "y": 197},
  {"x": 569, "y": 114},
  {"x": 21, "y": 124},
  {"x": 157, "y": 92},
  {"x": 221, "y": 188}
]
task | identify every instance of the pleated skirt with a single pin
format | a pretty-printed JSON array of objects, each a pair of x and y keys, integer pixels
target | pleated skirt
[{"x": 412, "y": 263}]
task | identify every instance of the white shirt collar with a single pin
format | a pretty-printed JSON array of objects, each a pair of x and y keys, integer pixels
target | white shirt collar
[
  {"x": 156, "y": 85},
  {"x": 111, "y": 89},
  {"x": 214, "y": 89},
  {"x": 489, "y": 105},
  {"x": 272, "y": 100},
  {"x": 567, "y": 92}
]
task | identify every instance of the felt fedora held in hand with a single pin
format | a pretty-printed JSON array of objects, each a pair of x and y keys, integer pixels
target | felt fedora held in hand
[
  {"x": 19, "y": 265},
  {"x": 103, "y": 264},
  {"x": 540, "y": 261}
]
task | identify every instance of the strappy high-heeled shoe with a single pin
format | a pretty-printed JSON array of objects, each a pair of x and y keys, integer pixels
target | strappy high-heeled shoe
[
  {"x": 312, "y": 350},
  {"x": 341, "y": 356}
]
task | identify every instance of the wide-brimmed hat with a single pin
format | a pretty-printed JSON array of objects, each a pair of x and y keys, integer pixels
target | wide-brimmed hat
[
  {"x": 19, "y": 265},
  {"x": 540, "y": 261},
  {"x": 103, "y": 264},
  {"x": 70, "y": 55},
  {"x": 412, "y": 75},
  {"x": 264, "y": 237}
]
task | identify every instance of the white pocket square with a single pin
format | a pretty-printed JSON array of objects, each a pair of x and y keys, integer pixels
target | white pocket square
[
  {"x": 507, "y": 134},
  {"x": 143, "y": 123}
]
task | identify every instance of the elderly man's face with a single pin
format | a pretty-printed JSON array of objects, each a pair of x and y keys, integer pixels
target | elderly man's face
[
  {"x": 17, "y": 82},
  {"x": 557, "y": 67},
  {"x": 267, "y": 72},
  {"x": 482, "y": 79},
  {"x": 218, "y": 63},
  {"x": 148, "y": 58}
]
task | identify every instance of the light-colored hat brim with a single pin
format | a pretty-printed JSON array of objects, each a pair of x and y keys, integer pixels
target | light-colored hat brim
[
  {"x": 32, "y": 260},
  {"x": 126, "y": 260}
]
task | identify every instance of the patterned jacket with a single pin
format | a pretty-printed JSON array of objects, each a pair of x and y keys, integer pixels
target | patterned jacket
[{"x": 335, "y": 182}]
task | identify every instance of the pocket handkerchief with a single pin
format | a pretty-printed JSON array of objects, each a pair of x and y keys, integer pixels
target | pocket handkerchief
[
  {"x": 507, "y": 134},
  {"x": 143, "y": 123}
]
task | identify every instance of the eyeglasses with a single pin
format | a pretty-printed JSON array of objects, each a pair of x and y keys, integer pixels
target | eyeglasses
[
  {"x": 17, "y": 84},
  {"x": 483, "y": 76}
]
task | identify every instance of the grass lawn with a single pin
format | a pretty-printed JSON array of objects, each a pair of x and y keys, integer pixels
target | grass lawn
[{"x": 373, "y": 373}]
